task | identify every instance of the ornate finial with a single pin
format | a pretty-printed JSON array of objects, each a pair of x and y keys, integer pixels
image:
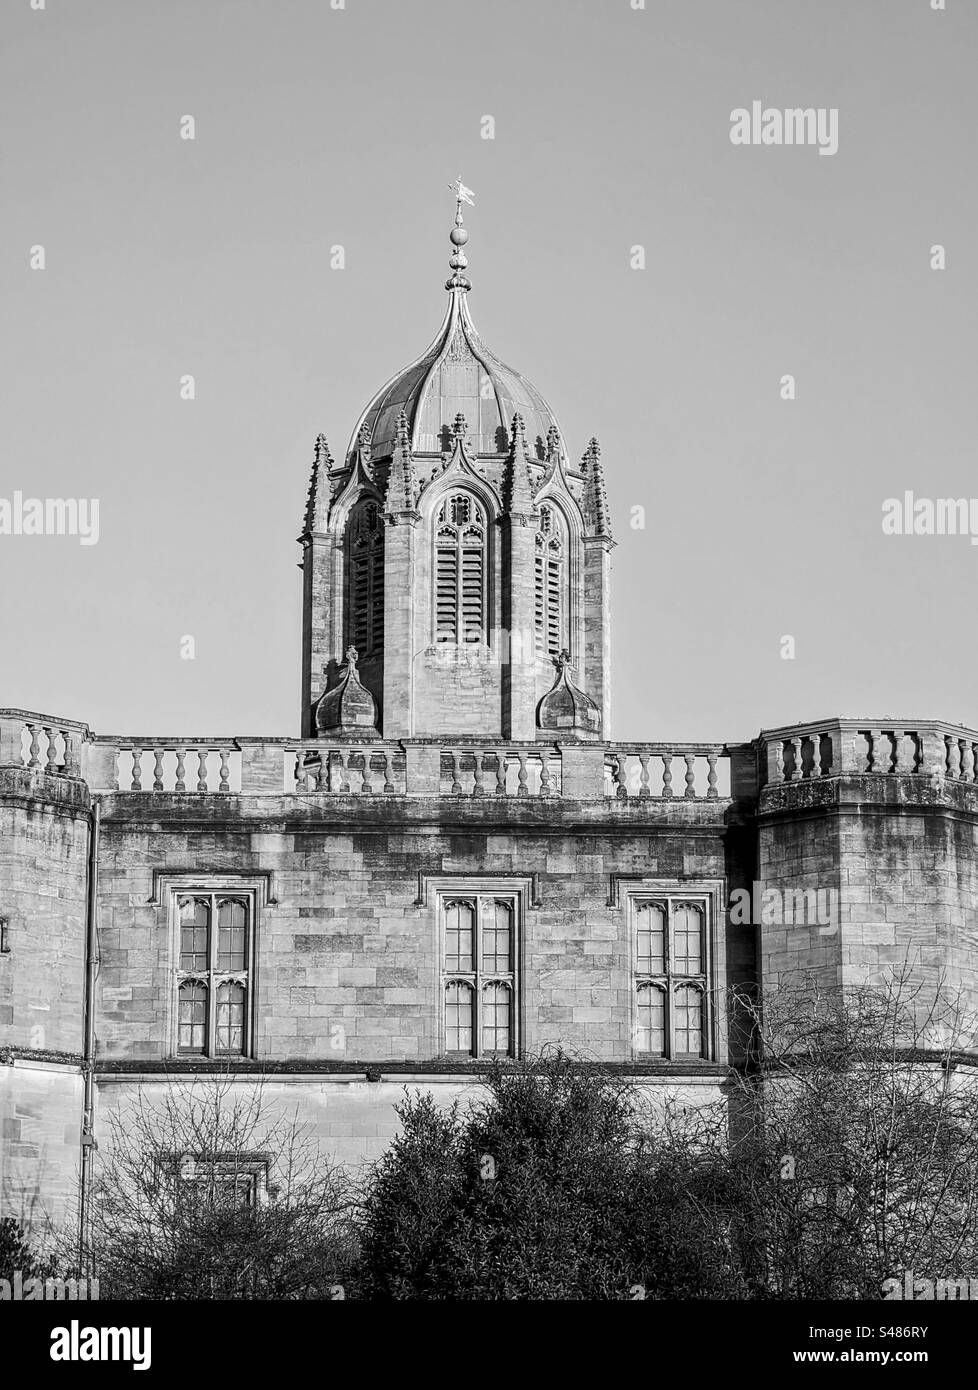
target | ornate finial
[
  {"x": 458, "y": 237},
  {"x": 553, "y": 442},
  {"x": 363, "y": 439},
  {"x": 459, "y": 428},
  {"x": 594, "y": 503},
  {"x": 349, "y": 708},
  {"x": 318, "y": 496},
  {"x": 567, "y": 709}
]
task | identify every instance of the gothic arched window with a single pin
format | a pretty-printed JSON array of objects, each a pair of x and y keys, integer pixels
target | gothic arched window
[
  {"x": 460, "y": 570},
  {"x": 366, "y": 578},
  {"x": 550, "y": 581}
]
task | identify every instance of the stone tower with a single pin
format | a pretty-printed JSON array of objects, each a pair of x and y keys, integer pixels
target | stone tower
[{"x": 459, "y": 554}]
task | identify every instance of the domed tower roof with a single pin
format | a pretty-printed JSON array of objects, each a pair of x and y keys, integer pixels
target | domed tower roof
[{"x": 449, "y": 379}]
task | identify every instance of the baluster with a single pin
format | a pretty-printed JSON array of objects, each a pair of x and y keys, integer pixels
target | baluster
[
  {"x": 387, "y": 769},
  {"x": 643, "y": 790},
  {"x": 780, "y": 774},
  {"x": 51, "y": 765},
  {"x": 71, "y": 762},
  {"x": 816, "y": 755},
  {"x": 522, "y": 789},
  {"x": 181, "y": 785},
  {"x": 202, "y": 769},
  {"x": 690, "y": 774},
  {"x": 34, "y": 756},
  {"x": 711, "y": 777},
  {"x": 796, "y": 771},
  {"x": 477, "y": 788},
  {"x": 366, "y": 785},
  {"x": 888, "y": 750},
  {"x": 158, "y": 769},
  {"x": 967, "y": 761},
  {"x": 953, "y": 757},
  {"x": 345, "y": 759},
  {"x": 500, "y": 772},
  {"x": 137, "y": 770},
  {"x": 667, "y": 791},
  {"x": 618, "y": 776},
  {"x": 546, "y": 782},
  {"x": 225, "y": 785},
  {"x": 456, "y": 787}
]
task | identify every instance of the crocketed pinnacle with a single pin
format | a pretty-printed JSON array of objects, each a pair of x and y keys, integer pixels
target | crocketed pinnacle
[
  {"x": 317, "y": 500},
  {"x": 402, "y": 488},
  {"x": 517, "y": 481},
  {"x": 595, "y": 500}
]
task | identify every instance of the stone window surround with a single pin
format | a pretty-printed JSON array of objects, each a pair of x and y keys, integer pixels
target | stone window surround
[
  {"x": 169, "y": 888},
  {"x": 520, "y": 890},
  {"x": 626, "y": 892}
]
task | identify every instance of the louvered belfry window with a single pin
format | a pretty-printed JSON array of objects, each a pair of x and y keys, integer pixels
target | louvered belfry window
[
  {"x": 460, "y": 571},
  {"x": 550, "y": 584},
  {"x": 367, "y": 579}
]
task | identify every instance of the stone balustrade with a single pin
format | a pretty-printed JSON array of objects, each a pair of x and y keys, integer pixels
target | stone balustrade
[
  {"x": 348, "y": 769},
  {"x": 888, "y": 748},
  {"x": 41, "y": 742},
  {"x": 505, "y": 770},
  {"x": 212, "y": 765},
  {"x": 626, "y": 773},
  {"x": 664, "y": 771}
]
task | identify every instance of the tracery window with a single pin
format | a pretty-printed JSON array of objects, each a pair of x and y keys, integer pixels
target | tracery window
[
  {"x": 460, "y": 570},
  {"x": 479, "y": 973},
  {"x": 550, "y": 578},
  {"x": 214, "y": 954},
  {"x": 670, "y": 972},
  {"x": 366, "y": 578}
]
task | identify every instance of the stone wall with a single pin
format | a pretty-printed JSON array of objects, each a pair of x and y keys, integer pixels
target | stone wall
[
  {"x": 40, "y": 1143},
  {"x": 348, "y": 958}
]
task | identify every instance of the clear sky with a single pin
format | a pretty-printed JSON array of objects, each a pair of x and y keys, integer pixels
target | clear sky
[{"x": 318, "y": 127}]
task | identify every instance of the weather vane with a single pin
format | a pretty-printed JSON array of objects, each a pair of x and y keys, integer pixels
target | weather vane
[{"x": 462, "y": 195}]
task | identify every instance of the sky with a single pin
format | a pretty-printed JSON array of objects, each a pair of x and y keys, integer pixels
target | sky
[{"x": 318, "y": 127}]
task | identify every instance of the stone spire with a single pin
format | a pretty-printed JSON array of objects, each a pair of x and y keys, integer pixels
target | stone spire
[
  {"x": 318, "y": 498},
  {"x": 595, "y": 500},
  {"x": 402, "y": 486},
  {"x": 517, "y": 480}
]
